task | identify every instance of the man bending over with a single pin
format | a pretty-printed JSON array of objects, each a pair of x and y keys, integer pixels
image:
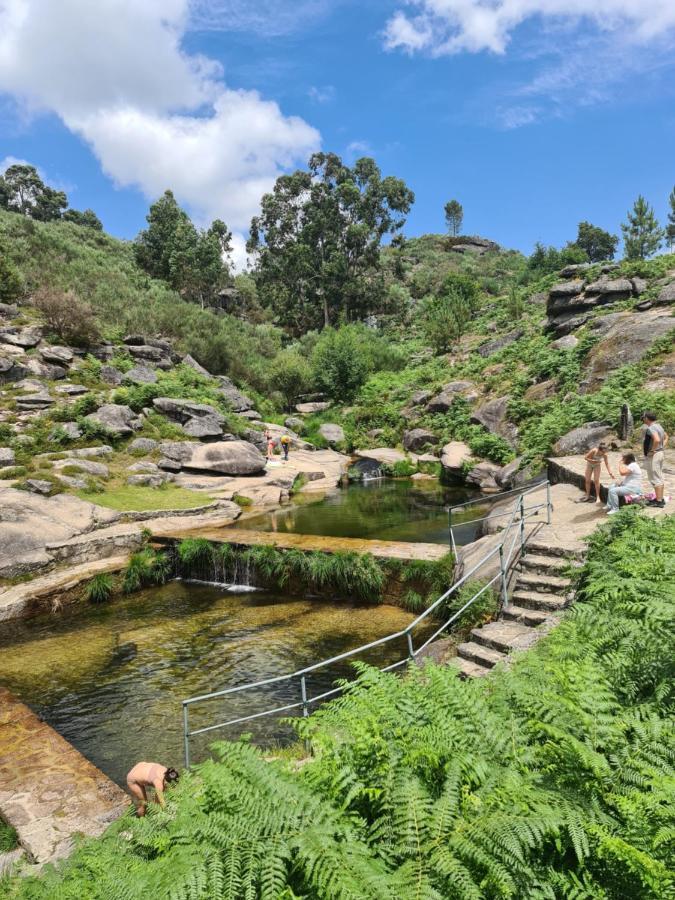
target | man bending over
[{"x": 145, "y": 775}]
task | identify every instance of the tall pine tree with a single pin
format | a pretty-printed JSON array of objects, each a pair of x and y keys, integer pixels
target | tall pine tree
[
  {"x": 670, "y": 228},
  {"x": 642, "y": 234}
]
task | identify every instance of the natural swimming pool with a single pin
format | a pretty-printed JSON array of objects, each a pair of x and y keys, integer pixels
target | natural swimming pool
[
  {"x": 381, "y": 509},
  {"x": 111, "y": 678}
]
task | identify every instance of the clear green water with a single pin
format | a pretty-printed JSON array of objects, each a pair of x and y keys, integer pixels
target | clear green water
[
  {"x": 383, "y": 509},
  {"x": 111, "y": 678}
]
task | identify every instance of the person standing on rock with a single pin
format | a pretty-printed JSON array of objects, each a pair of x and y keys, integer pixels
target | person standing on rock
[
  {"x": 270, "y": 445},
  {"x": 285, "y": 445},
  {"x": 655, "y": 443},
  {"x": 145, "y": 775},
  {"x": 594, "y": 460}
]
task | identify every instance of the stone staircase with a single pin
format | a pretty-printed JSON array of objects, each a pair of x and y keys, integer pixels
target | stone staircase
[{"x": 540, "y": 593}]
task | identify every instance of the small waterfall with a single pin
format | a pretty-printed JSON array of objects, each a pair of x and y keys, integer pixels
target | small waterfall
[
  {"x": 223, "y": 567},
  {"x": 365, "y": 470}
]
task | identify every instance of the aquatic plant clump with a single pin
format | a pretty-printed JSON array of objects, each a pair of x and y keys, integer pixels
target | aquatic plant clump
[
  {"x": 145, "y": 568},
  {"x": 99, "y": 589}
]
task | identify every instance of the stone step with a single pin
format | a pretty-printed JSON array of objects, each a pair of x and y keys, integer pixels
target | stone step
[
  {"x": 531, "y": 617},
  {"x": 477, "y": 653},
  {"x": 536, "y": 600},
  {"x": 556, "y": 547},
  {"x": 548, "y": 584},
  {"x": 469, "y": 669},
  {"x": 546, "y": 565},
  {"x": 504, "y": 636}
]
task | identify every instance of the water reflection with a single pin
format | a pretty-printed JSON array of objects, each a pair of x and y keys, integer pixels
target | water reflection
[
  {"x": 110, "y": 678},
  {"x": 388, "y": 509}
]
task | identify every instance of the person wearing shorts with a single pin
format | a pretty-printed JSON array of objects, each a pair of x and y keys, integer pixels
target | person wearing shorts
[
  {"x": 655, "y": 443},
  {"x": 594, "y": 460}
]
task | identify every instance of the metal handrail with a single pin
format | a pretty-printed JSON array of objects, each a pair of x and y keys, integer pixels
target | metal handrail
[{"x": 518, "y": 516}]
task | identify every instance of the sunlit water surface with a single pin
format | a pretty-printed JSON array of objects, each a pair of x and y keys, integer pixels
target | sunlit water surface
[{"x": 111, "y": 678}]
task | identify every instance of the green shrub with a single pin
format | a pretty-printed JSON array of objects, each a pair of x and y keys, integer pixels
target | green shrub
[
  {"x": 242, "y": 501},
  {"x": 99, "y": 589},
  {"x": 145, "y": 568}
]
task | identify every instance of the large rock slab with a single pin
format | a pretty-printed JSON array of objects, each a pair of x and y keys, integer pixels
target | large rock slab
[
  {"x": 227, "y": 458},
  {"x": 332, "y": 433},
  {"x": 499, "y": 343},
  {"x": 307, "y": 409},
  {"x": 21, "y": 337},
  {"x": 580, "y": 440},
  {"x": 183, "y": 410},
  {"x": 117, "y": 420},
  {"x": 455, "y": 458},
  {"x": 483, "y": 476},
  {"x": 11, "y": 369},
  {"x": 627, "y": 341},
  {"x": 204, "y": 428},
  {"x": 140, "y": 375},
  {"x": 418, "y": 439},
  {"x": 28, "y": 522},
  {"x": 492, "y": 416},
  {"x": 181, "y": 451},
  {"x": 233, "y": 396},
  {"x": 442, "y": 402},
  {"x": 666, "y": 295},
  {"x": 383, "y": 455},
  {"x": 61, "y": 356}
]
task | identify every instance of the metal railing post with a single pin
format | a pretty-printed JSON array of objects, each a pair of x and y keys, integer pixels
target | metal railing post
[
  {"x": 186, "y": 736},
  {"x": 452, "y": 534},
  {"x": 502, "y": 570},
  {"x": 522, "y": 525},
  {"x": 411, "y": 648},
  {"x": 303, "y": 691},
  {"x": 548, "y": 502}
]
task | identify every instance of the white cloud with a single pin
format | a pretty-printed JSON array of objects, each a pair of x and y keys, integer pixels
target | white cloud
[
  {"x": 443, "y": 27},
  {"x": 115, "y": 72},
  {"x": 12, "y": 161},
  {"x": 358, "y": 148}
]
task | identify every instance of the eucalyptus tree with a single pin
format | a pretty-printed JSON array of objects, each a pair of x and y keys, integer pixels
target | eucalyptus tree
[{"x": 317, "y": 241}]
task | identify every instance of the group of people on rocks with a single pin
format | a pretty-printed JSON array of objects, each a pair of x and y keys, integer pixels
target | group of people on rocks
[
  {"x": 284, "y": 441},
  {"x": 628, "y": 480}
]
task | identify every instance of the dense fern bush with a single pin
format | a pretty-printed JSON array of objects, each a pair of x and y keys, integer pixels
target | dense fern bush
[{"x": 550, "y": 780}]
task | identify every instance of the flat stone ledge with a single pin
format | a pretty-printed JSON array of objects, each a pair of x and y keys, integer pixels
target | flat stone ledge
[{"x": 49, "y": 792}]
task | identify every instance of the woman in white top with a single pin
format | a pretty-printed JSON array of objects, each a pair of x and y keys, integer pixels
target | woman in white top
[{"x": 631, "y": 484}]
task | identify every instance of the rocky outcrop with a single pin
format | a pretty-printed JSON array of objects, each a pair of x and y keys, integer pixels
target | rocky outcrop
[
  {"x": 226, "y": 458},
  {"x": 60, "y": 356},
  {"x": 442, "y": 402},
  {"x": 29, "y": 522},
  {"x": 11, "y": 369},
  {"x": 629, "y": 337},
  {"x": 569, "y": 301},
  {"x": 117, "y": 420},
  {"x": 418, "y": 438},
  {"x": 386, "y": 456},
  {"x": 21, "y": 337},
  {"x": 473, "y": 244},
  {"x": 233, "y": 396},
  {"x": 492, "y": 416},
  {"x": 308, "y": 409},
  {"x": 140, "y": 375},
  {"x": 580, "y": 440},
  {"x": 183, "y": 410},
  {"x": 332, "y": 433},
  {"x": 455, "y": 457},
  {"x": 483, "y": 476}
]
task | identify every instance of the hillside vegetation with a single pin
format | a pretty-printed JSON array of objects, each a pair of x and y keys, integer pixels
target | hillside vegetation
[
  {"x": 552, "y": 779},
  {"x": 370, "y": 371}
]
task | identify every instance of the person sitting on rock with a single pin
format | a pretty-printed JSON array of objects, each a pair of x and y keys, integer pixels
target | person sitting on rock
[
  {"x": 145, "y": 775},
  {"x": 630, "y": 486},
  {"x": 594, "y": 460}
]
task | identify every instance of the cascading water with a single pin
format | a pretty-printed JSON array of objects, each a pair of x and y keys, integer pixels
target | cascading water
[
  {"x": 365, "y": 470},
  {"x": 222, "y": 567}
]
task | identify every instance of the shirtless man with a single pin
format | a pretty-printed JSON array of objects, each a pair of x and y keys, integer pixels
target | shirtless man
[{"x": 145, "y": 775}]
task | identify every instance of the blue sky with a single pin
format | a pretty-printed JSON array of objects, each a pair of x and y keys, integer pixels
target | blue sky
[{"x": 533, "y": 113}]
